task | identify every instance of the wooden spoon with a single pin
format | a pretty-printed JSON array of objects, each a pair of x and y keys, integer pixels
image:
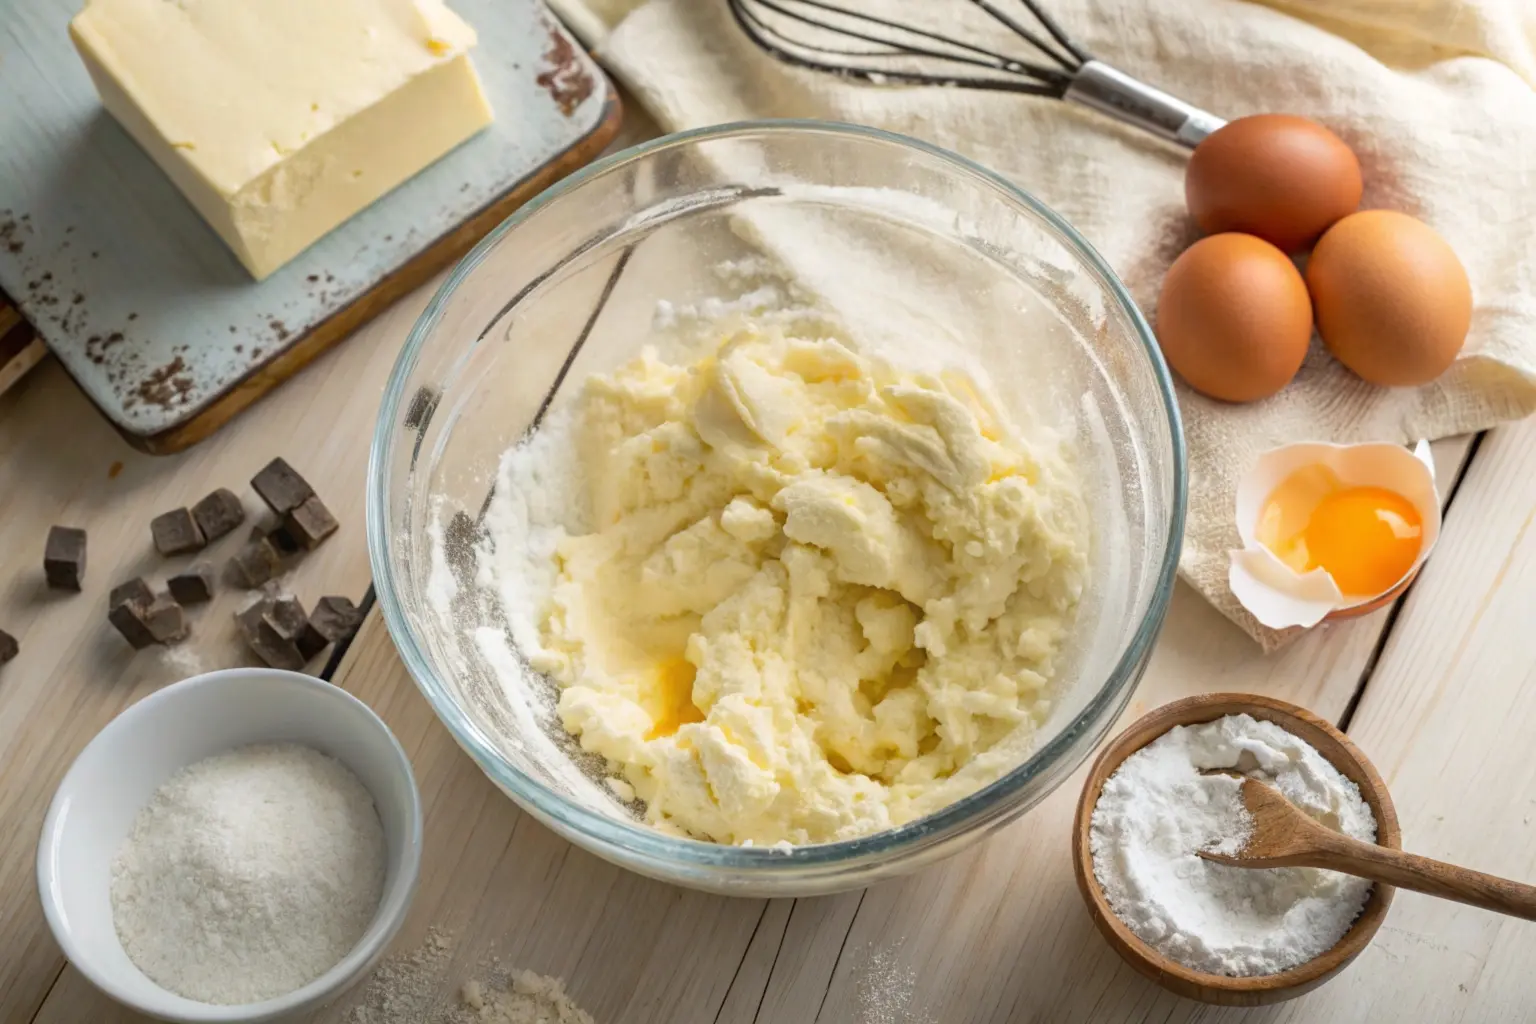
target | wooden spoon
[{"x": 1283, "y": 836}]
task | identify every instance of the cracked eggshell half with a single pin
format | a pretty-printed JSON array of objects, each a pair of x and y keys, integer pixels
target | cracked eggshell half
[{"x": 1279, "y": 596}]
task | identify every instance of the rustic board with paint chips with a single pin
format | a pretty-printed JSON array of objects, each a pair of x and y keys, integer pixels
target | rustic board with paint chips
[{"x": 149, "y": 312}]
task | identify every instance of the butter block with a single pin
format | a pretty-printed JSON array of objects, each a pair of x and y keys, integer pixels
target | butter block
[{"x": 279, "y": 119}]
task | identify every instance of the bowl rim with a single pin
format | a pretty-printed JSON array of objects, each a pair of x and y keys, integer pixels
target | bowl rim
[
  {"x": 1221, "y": 989},
  {"x": 394, "y": 901},
  {"x": 637, "y": 838}
]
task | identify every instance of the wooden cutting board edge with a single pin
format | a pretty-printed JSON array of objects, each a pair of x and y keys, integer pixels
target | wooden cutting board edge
[{"x": 20, "y": 347}]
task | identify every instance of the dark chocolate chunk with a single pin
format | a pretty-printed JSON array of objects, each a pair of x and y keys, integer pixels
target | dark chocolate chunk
[
  {"x": 274, "y": 534},
  {"x": 193, "y": 585},
  {"x": 280, "y": 487},
  {"x": 165, "y": 620},
  {"x": 310, "y": 642},
  {"x": 259, "y": 604},
  {"x": 126, "y": 607},
  {"x": 128, "y": 619},
  {"x": 310, "y": 523},
  {"x": 282, "y": 540},
  {"x": 219, "y": 513},
  {"x": 274, "y": 648},
  {"x": 176, "y": 532},
  {"x": 277, "y": 629},
  {"x": 335, "y": 618},
  {"x": 64, "y": 558},
  {"x": 135, "y": 591},
  {"x": 255, "y": 564},
  {"x": 9, "y": 648},
  {"x": 287, "y": 616},
  {"x": 249, "y": 616}
]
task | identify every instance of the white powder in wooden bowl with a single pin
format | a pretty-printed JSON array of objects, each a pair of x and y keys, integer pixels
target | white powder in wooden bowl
[
  {"x": 1157, "y": 812},
  {"x": 249, "y": 874}
]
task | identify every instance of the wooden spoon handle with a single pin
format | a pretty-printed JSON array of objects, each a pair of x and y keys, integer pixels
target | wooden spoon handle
[{"x": 1422, "y": 874}]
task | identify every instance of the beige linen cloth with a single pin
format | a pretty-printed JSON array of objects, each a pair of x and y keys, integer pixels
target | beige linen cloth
[{"x": 1438, "y": 98}]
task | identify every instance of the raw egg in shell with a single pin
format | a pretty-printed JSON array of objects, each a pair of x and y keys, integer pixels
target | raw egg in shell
[{"x": 1331, "y": 529}]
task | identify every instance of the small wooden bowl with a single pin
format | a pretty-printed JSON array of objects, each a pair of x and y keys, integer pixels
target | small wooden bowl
[{"x": 1217, "y": 988}]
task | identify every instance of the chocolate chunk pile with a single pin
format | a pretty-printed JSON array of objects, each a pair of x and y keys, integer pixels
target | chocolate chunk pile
[
  {"x": 303, "y": 525},
  {"x": 145, "y": 617},
  {"x": 282, "y": 635},
  {"x": 274, "y": 625}
]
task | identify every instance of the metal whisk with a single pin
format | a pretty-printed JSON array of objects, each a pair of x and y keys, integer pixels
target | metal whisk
[{"x": 842, "y": 41}]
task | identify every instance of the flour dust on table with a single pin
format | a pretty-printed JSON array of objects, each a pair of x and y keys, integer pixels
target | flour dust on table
[
  {"x": 249, "y": 874},
  {"x": 414, "y": 987},
  {"x": 1157, "y": 812}
]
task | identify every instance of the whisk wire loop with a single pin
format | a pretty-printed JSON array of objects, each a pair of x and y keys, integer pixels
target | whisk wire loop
[
  {"x": 825, "y": 36},
  {"x": 1079, "y": 56},
  {"x": 768, "y": 23}
]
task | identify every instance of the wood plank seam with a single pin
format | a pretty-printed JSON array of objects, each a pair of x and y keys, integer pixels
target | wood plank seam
[
  {"x": 745, "y": 951},
  {"x": 768, "y": 978},
  {"x": 840, "y": 950},
  {"x": 1374, "y": 657},
  {"x": 63, "y": 966}
]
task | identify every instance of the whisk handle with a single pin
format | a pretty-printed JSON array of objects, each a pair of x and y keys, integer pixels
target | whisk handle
[{"x": 1101, "y": 87}]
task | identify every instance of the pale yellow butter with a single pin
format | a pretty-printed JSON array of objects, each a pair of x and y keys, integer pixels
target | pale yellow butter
[
  {"x": 280, "y": 119},
  {"x": 820, "y": 595}
]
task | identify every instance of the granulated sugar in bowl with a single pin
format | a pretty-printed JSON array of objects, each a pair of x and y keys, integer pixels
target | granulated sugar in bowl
[
  {"x": 237, "y": 847},
  {"x": 249, "y": 875}
]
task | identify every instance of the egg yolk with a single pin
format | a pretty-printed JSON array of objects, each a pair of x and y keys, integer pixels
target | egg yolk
[
  {"x": 1366, "y": 538},
  {"x": 671, "y": 698}
]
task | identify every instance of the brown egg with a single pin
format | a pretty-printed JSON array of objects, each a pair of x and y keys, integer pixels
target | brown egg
[
  {"x": 1234, "y": 319},
  {"x": 1393, "y": 301},
  {"x": 1283, "y": 178}
]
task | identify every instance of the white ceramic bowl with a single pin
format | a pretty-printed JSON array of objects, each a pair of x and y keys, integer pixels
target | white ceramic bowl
[{"x": 119, "y": 771}]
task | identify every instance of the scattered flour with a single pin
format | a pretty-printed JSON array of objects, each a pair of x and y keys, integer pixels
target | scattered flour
[
  {"x": 413, "y": 988},
  {"x": 406, "y": 987},
  {"x": 1157, "y": 812},
  {"x": 887, "y": 991},
  {"x": 183, "y": 660},
  {"x": 524, "y": 998}
]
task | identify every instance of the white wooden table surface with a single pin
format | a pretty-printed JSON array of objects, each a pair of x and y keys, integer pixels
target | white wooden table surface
[{"x": 1439, "y": 690}]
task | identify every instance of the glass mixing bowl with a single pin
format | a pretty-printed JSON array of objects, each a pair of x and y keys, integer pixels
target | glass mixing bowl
[{"x": 899, "y": 242}]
